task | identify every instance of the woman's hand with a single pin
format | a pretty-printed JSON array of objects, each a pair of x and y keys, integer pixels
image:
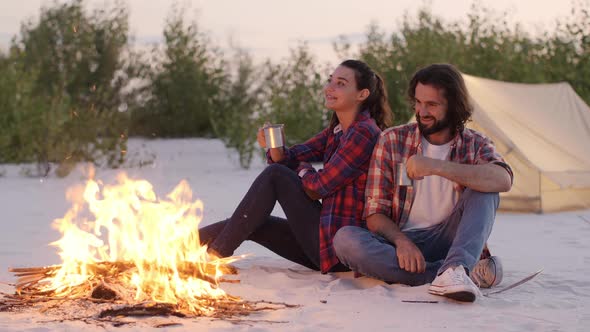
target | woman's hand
[
  {"x": 260, "y": 136},
  {"x": 312, "y": 194},
  {"x": 276, "y": 154}
]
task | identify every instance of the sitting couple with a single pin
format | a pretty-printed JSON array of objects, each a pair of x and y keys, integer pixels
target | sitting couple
[{"x": 434, "y": 231}]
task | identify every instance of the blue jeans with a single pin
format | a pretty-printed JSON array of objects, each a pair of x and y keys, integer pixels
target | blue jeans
[{"x": 459, "y": 240}]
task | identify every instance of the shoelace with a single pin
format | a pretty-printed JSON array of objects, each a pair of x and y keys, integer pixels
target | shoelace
[{"x": 457, "y": 277}]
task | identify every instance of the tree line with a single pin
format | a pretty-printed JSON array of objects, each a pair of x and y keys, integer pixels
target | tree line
[{"x": 73, "y": 88}]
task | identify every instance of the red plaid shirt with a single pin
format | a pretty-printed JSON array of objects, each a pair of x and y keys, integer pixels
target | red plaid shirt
[
  {"x": 341, "y": 183},
  {"x": 396, "y": 145}
]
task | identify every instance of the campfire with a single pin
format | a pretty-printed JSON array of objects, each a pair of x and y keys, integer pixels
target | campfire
[{"x": 123, "y": 246}]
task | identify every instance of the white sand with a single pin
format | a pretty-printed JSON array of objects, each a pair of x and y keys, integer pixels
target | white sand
[{"x": 557, "y": 300}]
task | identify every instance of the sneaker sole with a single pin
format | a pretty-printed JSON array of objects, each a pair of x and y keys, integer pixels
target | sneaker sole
[
  {"x": 462, "y": 296},
  {"x": 498, "y": 271}
]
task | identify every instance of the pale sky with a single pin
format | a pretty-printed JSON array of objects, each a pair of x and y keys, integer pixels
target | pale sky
[{"x": 269, "y": 27}]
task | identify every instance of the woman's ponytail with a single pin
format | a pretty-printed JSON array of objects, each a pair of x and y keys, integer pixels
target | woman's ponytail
[
  {"x": 379, "y": 106},
  {"x": 376, "y": 103}
]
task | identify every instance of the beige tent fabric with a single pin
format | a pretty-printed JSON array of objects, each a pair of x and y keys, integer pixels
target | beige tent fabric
[{"x": 543, "y": 132}]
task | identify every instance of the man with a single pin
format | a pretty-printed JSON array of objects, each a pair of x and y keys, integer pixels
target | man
[{"x": 436, "y": 229}]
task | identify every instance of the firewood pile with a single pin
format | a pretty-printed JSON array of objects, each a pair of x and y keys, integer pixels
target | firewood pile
[{"x": 105, "y": 298}]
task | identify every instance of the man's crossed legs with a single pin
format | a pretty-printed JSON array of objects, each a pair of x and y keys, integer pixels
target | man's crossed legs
[{"x": 451, "y": 250}]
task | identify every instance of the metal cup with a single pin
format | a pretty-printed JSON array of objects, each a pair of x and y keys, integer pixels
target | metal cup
[
  {"x": 402, "y": 175},
  {"x": 273, "y": 134}
]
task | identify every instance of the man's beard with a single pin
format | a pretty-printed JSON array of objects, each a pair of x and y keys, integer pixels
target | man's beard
[{"x": 437, "y": 126}]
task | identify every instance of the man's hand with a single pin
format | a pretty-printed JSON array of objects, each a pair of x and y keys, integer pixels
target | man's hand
[
  {"x": 485, "y": 177},
  {"x": 419, "y": 166},
  {"x": 409, "y": 256}
]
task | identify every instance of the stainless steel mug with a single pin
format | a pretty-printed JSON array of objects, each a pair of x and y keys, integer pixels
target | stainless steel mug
[
  {"x": 273, "y": 134},
  {"x": 402, "y": 175}
]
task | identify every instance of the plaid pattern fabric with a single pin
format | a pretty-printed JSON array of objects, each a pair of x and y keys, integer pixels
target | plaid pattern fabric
[
  {"x": 396, "y": 145},
  {"x": 341, "y": 183}
]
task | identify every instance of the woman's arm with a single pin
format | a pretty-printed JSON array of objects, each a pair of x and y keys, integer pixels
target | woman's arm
[
  {"x": 310, "y": 151},
  {"x": 344, "y": 166}
]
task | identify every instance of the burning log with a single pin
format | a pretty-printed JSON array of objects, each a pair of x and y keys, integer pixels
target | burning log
[
  {"x": 140, "y": 256},
  {"x": 103, "y": 292},
  {"x": 29, "y": 277},
  {"x": 158, "y": 309},
  {"x": 106, "y": 287},
  {"x": 106, "y": 282}
]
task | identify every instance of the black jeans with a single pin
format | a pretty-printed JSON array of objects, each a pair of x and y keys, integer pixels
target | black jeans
[{"x": 295, "y": 238}]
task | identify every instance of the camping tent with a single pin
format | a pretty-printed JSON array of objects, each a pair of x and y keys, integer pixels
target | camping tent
[{"x": 543, "y": 132}]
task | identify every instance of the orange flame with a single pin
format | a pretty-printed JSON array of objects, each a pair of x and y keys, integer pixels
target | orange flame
[{"x": 127, "y": 222}]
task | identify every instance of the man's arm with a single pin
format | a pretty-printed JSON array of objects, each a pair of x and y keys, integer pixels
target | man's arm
[
  {"x": 488, "y": 177},
  {"x": 410, "y": 258},
  {"x": 378, "y": 204}
]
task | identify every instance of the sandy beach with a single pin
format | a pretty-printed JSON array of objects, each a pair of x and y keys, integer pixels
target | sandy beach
[{"x": 557, "y": 300}]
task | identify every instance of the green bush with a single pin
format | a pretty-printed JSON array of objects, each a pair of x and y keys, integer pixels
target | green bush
[
  {"x": 183, "y": 83},
  {"x": 233, "y": 116},
  {"x": 71, "y": 88},
  {"x": 289, "y": 93},
  {"x": 66, "y": 107},
  {"x": 292, "y": 95},
  {"x": 486, "y": 45}
]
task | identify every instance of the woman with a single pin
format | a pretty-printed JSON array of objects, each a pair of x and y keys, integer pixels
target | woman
[{"x": 358, "y": 99}]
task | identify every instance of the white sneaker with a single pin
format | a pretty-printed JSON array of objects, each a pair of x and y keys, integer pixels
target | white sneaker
[
  {"x": 455, "y": 284},
  {"x": 487, "y": 272}
]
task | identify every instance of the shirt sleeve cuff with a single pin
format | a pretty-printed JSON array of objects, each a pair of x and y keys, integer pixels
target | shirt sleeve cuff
[
  {"x": 507, "y": 168},
  {"x": 373, "y": 207},
  {"x": 303, "y": 166},
  {"x": 302, "y": 172},
  {"x": 269, "y": 158}
]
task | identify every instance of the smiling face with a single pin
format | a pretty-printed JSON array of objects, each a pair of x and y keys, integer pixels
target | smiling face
[
  {"x": 430, "y": 105},
  {"x": 340, "y": 92}
]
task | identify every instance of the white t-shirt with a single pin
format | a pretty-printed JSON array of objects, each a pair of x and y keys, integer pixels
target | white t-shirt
[{"x": 435, "y": 197}]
